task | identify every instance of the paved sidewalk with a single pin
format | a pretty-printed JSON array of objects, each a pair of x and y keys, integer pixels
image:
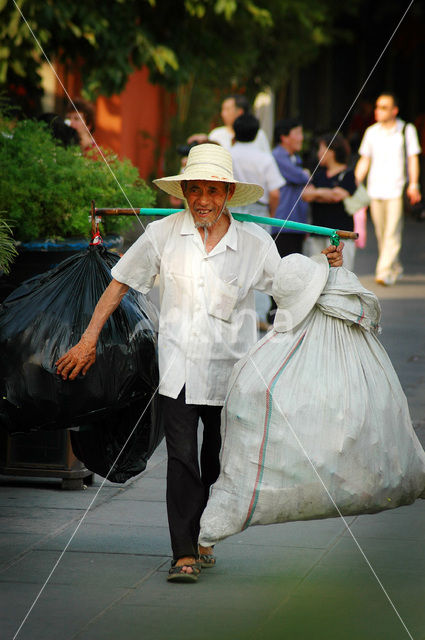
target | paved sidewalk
[{"x": 293, "y": 581}]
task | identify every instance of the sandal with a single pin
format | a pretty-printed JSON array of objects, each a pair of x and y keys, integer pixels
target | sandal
[
  {"x": 176, "y": 573},
  {"x": 207, "y": 560}
]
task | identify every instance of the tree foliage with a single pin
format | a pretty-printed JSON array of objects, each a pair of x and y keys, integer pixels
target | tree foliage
[{"x": 250, "y": 43}]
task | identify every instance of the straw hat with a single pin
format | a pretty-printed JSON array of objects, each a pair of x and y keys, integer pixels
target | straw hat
[
  {"x": 297, "y": 285},
  {"x": 211, "y": 162}
]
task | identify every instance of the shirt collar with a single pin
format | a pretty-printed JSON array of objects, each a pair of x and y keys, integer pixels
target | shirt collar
[
  {"x": 230, "y": 239},
  {"x": 398, "y": 126},
  {"x": 188, "y": 225},
  {"x": 282, "y": 151}
]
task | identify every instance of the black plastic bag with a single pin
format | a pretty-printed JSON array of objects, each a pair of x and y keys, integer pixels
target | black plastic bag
[
  {"x": 119, "y": 445},
  {"x": 46, "y": 316}
]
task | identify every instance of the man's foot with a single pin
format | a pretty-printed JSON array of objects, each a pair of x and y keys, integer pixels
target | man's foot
[
  {"x": 185, "y": 569},
  {"x": 206, "y": 557}
]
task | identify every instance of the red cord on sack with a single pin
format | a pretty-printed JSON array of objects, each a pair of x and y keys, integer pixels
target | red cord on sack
[{"x": 96, "y": 239}]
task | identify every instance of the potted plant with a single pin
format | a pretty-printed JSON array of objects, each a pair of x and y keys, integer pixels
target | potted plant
[{"x": 46, "y": 192}]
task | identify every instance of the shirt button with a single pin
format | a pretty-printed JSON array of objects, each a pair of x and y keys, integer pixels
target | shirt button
[{"x": 201, "y": 282}]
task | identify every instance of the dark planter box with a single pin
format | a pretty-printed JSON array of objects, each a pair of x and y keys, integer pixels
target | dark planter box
[{"x": 43, "y": 454}]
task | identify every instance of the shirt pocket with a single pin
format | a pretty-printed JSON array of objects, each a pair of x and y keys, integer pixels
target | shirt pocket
[{"x": 221, "y": 298}]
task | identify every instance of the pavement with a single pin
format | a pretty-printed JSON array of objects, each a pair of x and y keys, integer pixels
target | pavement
[{"x": 92, "y": 564}]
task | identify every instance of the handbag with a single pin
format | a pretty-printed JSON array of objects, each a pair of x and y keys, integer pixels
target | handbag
[{"x": 358, "y": 200}]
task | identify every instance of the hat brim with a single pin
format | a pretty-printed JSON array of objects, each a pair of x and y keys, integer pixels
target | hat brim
[
  {"x": 285, "y": 319},
  {"x": 245, "y": 192}
]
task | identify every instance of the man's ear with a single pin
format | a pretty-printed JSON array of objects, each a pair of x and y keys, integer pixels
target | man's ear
[
  {"x": 183, "y": 185},
  {"x": 232, "y": 188}
]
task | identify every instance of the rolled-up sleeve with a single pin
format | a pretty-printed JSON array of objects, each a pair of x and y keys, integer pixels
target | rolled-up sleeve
[{"x": 140, "y": 264}]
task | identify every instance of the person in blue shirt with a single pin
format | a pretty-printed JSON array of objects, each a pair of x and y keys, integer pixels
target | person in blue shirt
[
  {"x": 288, "y": 135},
  {"x": 289, "y": 139}
]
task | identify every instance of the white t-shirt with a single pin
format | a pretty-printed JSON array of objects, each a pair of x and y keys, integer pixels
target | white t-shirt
[
  {"x": 207, "y": 320},
  {"x": 384, "y": 147},
  {"x": 223, "y": 136},
  {"x": 250, "y": 164}
]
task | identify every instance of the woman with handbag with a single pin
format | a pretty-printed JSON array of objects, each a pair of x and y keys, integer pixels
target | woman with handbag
[{"x": 331, "y": 184}]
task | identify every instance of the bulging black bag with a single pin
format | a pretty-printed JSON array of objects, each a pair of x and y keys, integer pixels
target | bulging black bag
[{"x": 46, "y": 316}]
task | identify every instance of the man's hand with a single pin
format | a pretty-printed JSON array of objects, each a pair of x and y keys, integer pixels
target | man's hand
[
  {"x": 413, "y": 193},
  {"x": 80, "y": 358},
  {"x": 77, "y": 360},
  {"x": 334, "y": 255}
]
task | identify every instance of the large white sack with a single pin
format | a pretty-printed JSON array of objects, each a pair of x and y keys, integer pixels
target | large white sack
[{"x": 324, "y": 395}]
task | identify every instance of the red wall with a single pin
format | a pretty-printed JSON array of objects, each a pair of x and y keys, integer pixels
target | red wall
[{"x": 134, "y": 123}]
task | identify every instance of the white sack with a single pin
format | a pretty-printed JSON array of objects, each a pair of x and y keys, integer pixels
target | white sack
[{"x": 325, "y": 391}]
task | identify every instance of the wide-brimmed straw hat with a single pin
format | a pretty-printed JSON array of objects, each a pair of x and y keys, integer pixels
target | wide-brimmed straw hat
[
  {"x": 211, "y": 162},
  {"x": 297, "y": 285}
]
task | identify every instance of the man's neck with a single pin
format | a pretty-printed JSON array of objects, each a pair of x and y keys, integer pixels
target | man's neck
[
  {"x": 390, "y": 124},
  {"x": 287, "y": 149}
]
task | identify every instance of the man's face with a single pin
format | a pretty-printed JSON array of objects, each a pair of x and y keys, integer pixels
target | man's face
[
  {"x": 229, "y": 112},
  {"x": 293, "y": 142},
  {"x": 205, "y": 199},
  {"x": 385, "y": 109}
]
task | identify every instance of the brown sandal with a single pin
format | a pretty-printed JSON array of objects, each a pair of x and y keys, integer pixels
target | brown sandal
[
  {"x": 176, "y": 573},
  {"x": 207, "y": 560}
]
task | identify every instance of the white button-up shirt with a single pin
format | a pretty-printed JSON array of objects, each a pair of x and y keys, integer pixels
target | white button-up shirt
[
  {"x": 384, "y": 147},
  {"x": 207, "y": 319},
  {"x": 250, "y": 164}
]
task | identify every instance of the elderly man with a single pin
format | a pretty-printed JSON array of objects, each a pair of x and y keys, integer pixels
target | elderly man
[{"x": 209, "y": 265}]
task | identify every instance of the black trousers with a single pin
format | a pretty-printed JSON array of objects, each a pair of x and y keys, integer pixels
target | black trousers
[
  {"x": 286, "y": 243},
  {"x": 188, "y": 483}
]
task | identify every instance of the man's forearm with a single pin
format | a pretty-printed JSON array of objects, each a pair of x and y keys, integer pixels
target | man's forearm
[
  {"x": 274, "y": 197},
  {"x": 362, "y": 169},
  {"x": 107, "y": 304},
  {"x": 413, "y": 169}
]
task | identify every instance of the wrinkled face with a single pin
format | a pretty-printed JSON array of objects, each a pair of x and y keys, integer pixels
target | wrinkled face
[
  {"x": 293, "y": 142},
  {"x": 229, "y": 112},
  {"x": 75, "y": 121},
  {"x": 205, "y": 199},
  {"x": 385, "y": 109}
]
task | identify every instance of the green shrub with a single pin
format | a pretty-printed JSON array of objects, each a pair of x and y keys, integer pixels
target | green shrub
[{"x": 46, "y": 190}]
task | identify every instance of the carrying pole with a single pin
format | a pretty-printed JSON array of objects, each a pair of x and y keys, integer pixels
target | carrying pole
[{"x": 333, "y": 234}]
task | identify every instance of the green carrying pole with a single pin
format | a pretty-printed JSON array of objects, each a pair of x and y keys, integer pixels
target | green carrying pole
[{"x": 333, "y": 234}]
